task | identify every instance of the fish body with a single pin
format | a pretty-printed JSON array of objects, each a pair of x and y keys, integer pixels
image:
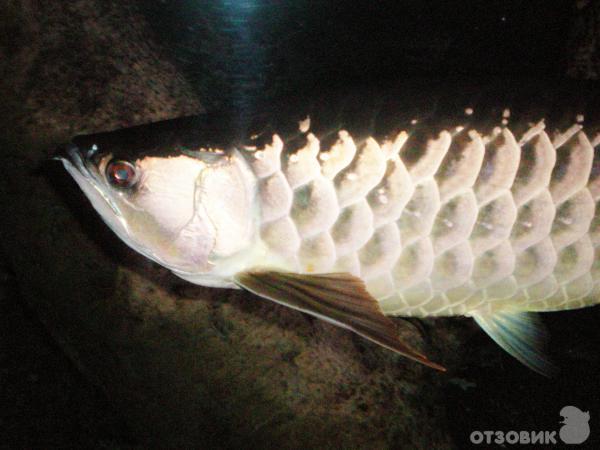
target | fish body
[
  {"x": 477, "y": 223},
  {"x": 493, "y": 219}
]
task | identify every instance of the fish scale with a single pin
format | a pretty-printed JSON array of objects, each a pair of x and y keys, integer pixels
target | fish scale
[{"x": 469, "y": 223}]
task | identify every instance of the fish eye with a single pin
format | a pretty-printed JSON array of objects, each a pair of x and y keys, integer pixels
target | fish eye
[{"x": 121, "y": 174}]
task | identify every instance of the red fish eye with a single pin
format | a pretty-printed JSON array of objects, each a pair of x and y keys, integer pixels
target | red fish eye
[{"x": 121, "y": 174}]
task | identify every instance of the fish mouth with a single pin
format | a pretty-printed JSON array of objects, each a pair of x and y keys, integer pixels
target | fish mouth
[
  {"x": 86, "y": 175},
  {"x": 73, "y": 161}
]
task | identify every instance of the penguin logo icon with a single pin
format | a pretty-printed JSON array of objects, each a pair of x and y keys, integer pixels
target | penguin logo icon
[{"x": 575, "y": 428}]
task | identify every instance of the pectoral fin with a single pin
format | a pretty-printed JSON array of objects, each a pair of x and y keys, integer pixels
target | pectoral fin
[
  {"x": 522, "y": 335},
  {"x": 339, "y": 298}
]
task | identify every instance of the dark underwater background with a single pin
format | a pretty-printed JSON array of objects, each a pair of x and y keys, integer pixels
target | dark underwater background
[{"x": 99, "y": 348}]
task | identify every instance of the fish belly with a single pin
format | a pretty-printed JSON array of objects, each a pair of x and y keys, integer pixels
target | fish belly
[{"x": 459, "y": 222}]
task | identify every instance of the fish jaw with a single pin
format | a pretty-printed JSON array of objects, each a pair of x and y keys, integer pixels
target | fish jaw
[{"x": 102, "y": 203}]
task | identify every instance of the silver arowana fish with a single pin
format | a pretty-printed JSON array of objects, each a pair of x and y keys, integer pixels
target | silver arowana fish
[{"x": 489, "y": 214}]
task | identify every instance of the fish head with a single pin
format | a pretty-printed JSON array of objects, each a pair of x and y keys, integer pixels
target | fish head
[{"x": 185, "y": 209}]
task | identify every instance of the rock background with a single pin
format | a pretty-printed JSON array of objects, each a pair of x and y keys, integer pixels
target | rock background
[
  {"x": 103, "y": 349},
  {"x": 584, "y": 57}
]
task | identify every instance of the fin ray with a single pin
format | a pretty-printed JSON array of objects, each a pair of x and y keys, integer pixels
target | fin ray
[
  {"x": 522, "y": 335},
  {"x": 338, "y": 298}
]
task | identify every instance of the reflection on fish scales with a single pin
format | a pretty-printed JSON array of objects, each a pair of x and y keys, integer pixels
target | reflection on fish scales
[{"x": 496, "y": 224}]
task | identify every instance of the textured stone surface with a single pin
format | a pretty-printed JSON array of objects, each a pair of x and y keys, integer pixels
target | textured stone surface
[{"x": 584, "y": 57}]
